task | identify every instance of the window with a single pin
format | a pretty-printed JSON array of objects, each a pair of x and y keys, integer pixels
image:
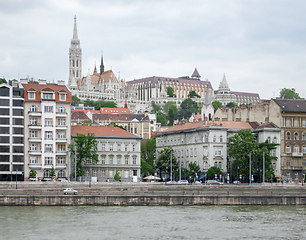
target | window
[
  {"x": 288, "y": 136},
  {"x": 296, "y": 149},
  {"x": 214, "y": 138},
  {"x": 95, "y": 173},
  {"x": 31, "y": 95},
  {"x": 49, "y": 109},
  {"x": 48, "y": 135},
  {"x": 304, "y": 149},
  {"x": 118, "y": 160},
  {"x": 33, "y": 134},
  {"x": 61, "y": 122},
  {"x": 218, "y": 152},
  {"x": 33, "y": 147},
  {"x": 111, "y": 147},
  {"x": 111, "y": 173},
  {"x": 274, "y": 140},
  {"x": 216, "y": 164},
  {"x": 48, "y": 147},
  {"x": 134, "y": 160},
  {"x": 135, "y": 130},
  {"x": 126, "y": 174},
  {"x": 273, "y": 152},
  {"x": 205, "y": 165},
  {"x": 47, "y": 174},
  {"x": 269, "y": 140},
  {"x": 61, "y": 174},
  {"x": 48, "y": 160},
  {"x": 4, "y": 91},
  {"x": 304, "y": 123},
  {"x": 274, "y": 166},
  {"x": 118, "y": 147},
  {"x": 288, "y": 163},
  {"x": 47, "y": 96},
  {"x": 296, "y": 123},
  {"x": 103, "y": 173},
  {"x": 126, "y": 147},
  {"x": 195, "y": 152},
  {"x": 126, "y": 160},
  {"x": 111, "y": 160},
  {"x": 33, "y": 121},
  {"x": 182, "y": 153},
  {"x": 220, "y": 165},
  {"x": 296, "y": 136},
  {"x": 103, "y": 147},
  {"x": 288, "y": 175},
  {"x": 33, "y": 108},
  {"x": 134, "y": 147},
  {"x": 288, "y": 150},
  {"x": 102, "y": 159},
  {"x": 288, "y": 123},
  {"x": 61, "y": 147},
  {"x": 61, "y": 109},
  {"x": 304, "y": 136},
  {"x": 61, "y": 160},
  {"x": 48, "y": 122},
  {"x": 296, "y": 176},
  {"x": 187, "y": 153},
  {"x": 62, "y": 97},
  {"x": 205, "y": 152},
  {"x": 191, "y": 152},
  {"x": 61, "y": 135},
  {"x": 17, "y": 112},
  {"x": 33, "y": 160}
]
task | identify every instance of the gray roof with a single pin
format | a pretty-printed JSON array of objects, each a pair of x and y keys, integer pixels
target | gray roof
[{"x": 292, "y": 105}]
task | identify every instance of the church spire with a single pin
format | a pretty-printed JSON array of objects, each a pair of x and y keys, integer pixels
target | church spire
[
  {"x": 75, "y": 38},
  {"x": 102, "y": 65}
]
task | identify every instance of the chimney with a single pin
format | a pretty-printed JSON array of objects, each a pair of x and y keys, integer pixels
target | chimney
[{"x": 42, "y": 82}]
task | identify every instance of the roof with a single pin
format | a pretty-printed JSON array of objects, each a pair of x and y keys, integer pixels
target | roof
[
  {"x": 79, "y": 115},
  {"x": 120, "y": 117},
  {"x": 114, "y": 110},
  {"x": 291, "y": 105},
  {"x": 241, "y": 94},
  {"x": 102, "y": 131},
  {"x": 195, "y": 74},
  {"x": 155, "y": 79}
]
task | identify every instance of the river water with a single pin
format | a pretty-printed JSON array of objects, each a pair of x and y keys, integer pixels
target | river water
[{"x": 179, "y": 222}]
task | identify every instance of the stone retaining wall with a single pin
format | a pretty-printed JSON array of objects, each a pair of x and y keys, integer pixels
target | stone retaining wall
[{"x": 153, "y": 200}]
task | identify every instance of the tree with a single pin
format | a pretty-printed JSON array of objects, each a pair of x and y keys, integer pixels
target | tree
[
  {"x": 148, "y": 150},
  {"x": 75, "y": 101},
  {"x": 32, "y": 173},
  {"x": 211, "y": 173},
  {"x": 161, "y": 119},
  {"x": 52, "y": 172},
  {"x": 287, "y": 93},
  {"x": 193, "y": 94},
  {"x": 163, "y": 162},
  {"x": 117, "y": 176},
  {"x": 2, "y": 80},
  {"x": 216, "y": 105},
  {"x": 156, "y": 109},
  {"x": 171, "y": 111},
  {"x": 231, "y": 104},
  {"x": 146, "y": 168},
  {"x": 86, "y": 151},
  {"x": 104, "y": 104},
  {"x": 170, "y": 92},
  {"x": 188, "y": 106},
  {"x": 193, "y": 170}
]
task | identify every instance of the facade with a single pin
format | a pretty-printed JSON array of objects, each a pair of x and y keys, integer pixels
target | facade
[
  {"x": 117, "y": 149},
  {"x": 11, "y": 131},
  {"x": 225, "y": 95},
  {"x": 47, "y": 128},
  {"x": 205, "y": 143}
]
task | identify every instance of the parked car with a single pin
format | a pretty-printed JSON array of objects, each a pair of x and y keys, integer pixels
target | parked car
[
  {"x": 171, "y": 183},
  {"x": 213, "y": 182},
  {"x": 197, "y": 183},
  {"x": 236, "y": 182},
  {"x": 183, "y": 182},
  {"x": 70, "y": 191}
]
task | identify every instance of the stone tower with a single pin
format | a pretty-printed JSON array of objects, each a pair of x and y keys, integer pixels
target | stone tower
[{"x": 75, "y": 59}]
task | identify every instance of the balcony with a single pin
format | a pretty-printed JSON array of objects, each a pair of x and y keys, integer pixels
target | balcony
[
  {"x": 297, "y": 168},
  {"x": 34, "y": 139},
  {"x": 34, "y": 114},
  {"x": 36, "y": 166},
  {"x": 295, "y": 154},
  {"x": 61, "y": 127},
  {"x": 60, "y": 166},
  {"x": 34, "y": 152},
  {"x": 61, "y": 114},
  {"x": 63, "y": 140},
  {"x": 34, "y": 126},
  {"x": 47, "y": 166},
  {"x": 61, "y": 152}
]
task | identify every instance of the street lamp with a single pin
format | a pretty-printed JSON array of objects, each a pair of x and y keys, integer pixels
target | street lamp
[{"x": 16, "y": 177}]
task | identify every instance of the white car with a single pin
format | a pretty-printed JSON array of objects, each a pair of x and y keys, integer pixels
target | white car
[
  {"x": 185, "y": 182},
  {"x": 70, "y": 191}
]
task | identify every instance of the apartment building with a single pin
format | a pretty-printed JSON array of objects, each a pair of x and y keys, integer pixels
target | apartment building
[
  {"x": 11, "y": 131},
  {"x": 47, "y": 129}
]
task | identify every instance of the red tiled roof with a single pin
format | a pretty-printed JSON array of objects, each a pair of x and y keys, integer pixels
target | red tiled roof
[
  {"x": 120, "y": 117},
  {"x": 102, "y": 131},
  {"x": 114, "y": 111},
  {"x": 79, "y": 115}
]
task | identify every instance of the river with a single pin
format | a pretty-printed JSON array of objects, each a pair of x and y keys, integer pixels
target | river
[{"x": 179, "y": 222}]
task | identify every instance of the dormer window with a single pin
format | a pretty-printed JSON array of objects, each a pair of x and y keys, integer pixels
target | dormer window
[
  {"x": 62, "y": 97},
  {"x": 47, "y": 96},
  {"x": 31, "y": 95}
]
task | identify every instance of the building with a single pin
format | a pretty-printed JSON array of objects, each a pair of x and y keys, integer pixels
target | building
[
  {"x": 47, "y": 128},
  {"x": 117, "y": 149},
  {"x": 11, "y": 131},
  {"x": 225, "y": 95},
  {"x": 205, "y": 143}
]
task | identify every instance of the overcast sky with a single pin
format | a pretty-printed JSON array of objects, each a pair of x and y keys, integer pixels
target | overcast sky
[{"x": 260, "y": 46}]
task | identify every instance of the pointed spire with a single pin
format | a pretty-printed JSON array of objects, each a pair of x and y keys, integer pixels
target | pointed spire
[
  {"x": 223, "y": 84},
  {"x": 75, "y": 38},
  {"x": 207, "y": 100},
  {"x": 102, "y": 64},
  {"x": 125, "y": 104},
  {"x": 95, "y": 71},
  {"x": 196, "y": 74}
]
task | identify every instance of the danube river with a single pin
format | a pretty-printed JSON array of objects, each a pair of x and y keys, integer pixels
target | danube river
[{"x": 179, "y": 222}]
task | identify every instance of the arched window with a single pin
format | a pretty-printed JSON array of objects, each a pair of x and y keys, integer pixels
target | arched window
[
  {"x": 269, "y": 140},
  {"x": 33, "y": 108},
  {"x": 47, "y": 174},
  {"x": 288, "y": 150},
  {"x": 304, "y": 136},
  {"x": 61, "y": 174},
  {"x": 296, "y": 149},
  {"x": 296, "y": 136},
  {"x": 221, "y": 138},
  {"x": 274, "y": 140},
  {"x": 288, "y": 136},
  {"x": 215, "y": 138},
  {"x": 61, "y": 109}
]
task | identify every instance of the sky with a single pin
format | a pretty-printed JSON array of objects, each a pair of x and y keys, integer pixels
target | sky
[{"x": 258, "y": 44}]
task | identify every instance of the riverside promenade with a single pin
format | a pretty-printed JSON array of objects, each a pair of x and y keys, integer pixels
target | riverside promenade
[{"x": 148, "y": 194}]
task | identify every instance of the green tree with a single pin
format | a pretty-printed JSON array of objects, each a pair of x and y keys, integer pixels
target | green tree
[
  {"x": 161, "y": 119},
  {"x": 171, "y": 111},
  {"x": 188, "y": 106},
  {"x": 52, "y": 172},
  {"x": 117, "y": 176},
  {"x": 193, "y": 94},
  {"x": 146, "y": 168},
  {"x": 75, "y": 101},
  {"x": 216, "y": 105},
  {"x": 156, "y": 109},
  {"x": 212, "y": 172},
  {"x": 86, "y": 151},
  {"x": 104, "y": 104},
  {"x": 287, "y": 93},
  {"x": 89, "y": 103},
  {"x": 170, "y": 92},
  {"x": 2, "y": 80},
  {"x": 163, "y": 162},
  {"x": 32, "y": 173},
  {"x": 193, "y": 170},
  {"x": 231, "y": 104},
  {"x": 148, "y": 150}
]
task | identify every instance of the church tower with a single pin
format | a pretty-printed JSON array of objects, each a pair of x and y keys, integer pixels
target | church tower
[{"x": 75, "y": 59}]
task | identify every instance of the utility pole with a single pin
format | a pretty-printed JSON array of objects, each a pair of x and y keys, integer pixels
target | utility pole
[
  {"x": 250, "y": 171},
  {"x": 264, "y": 170},
  {"x": 171, "y": 167},
  {"x": 75, "y": 163}
]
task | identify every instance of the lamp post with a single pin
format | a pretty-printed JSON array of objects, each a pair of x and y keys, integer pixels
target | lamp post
[
  {"x": 16, "y": 177},
  {"x": 89, "y": 177},
  {"x": 263, "y": 167},
  {"x": 250, "y": 170},
  {"x": 171, "y": 167}
]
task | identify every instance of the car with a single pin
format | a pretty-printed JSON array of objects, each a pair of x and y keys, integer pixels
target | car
[
  {"x": 183, "y": 182},
  {"x": 197, "y": 183},
  {"x": 213, "y": 182},
  {"x": 236, "y": 182},
  {"x": 171, "y": 183},
  {"x": 70, "y": 191}
]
